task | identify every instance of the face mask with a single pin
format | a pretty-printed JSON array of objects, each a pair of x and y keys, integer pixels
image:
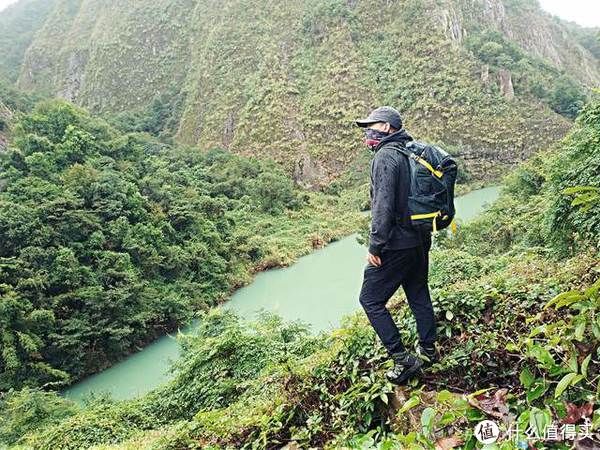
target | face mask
[{"x": 373, "y": 137}]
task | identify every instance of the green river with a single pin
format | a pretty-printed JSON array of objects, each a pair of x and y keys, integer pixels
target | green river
[{"x": 318, "y": 289}]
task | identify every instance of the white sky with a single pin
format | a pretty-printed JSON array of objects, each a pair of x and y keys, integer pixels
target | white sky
[
  {"x": 5, "y": 3},
  {"x": 584, "y": 12}
]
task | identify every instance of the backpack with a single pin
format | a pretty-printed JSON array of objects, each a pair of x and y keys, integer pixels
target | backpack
[{"x": 431, "y": 197}]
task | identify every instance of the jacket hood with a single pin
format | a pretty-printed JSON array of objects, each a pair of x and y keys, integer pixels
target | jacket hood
[{"x": 399, "y": 136}]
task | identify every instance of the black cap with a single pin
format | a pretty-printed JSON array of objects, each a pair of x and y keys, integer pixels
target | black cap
[{"x": 382, "y": 114}]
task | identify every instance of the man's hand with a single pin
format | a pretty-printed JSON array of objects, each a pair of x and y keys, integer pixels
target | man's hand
[{"x": 374, "y": 260}]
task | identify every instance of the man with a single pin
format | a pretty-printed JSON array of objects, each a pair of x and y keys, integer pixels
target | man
[{"x": 398, "y": 254}]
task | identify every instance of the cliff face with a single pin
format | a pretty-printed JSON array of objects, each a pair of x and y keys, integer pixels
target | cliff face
[
  {"x": 18, "y": 24},
  {"x": 5, "y": 117},
  {"x": 524, "y": 23},
  {"x": 285, "y": 79}
]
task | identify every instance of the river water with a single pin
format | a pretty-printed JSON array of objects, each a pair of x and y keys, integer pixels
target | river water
[{"x": 318, "y": 289}]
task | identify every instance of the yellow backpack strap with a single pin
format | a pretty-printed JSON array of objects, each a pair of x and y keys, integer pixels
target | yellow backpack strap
[
  {"x": 433, "y": 215},
  {"x": 424, "y": 163}
]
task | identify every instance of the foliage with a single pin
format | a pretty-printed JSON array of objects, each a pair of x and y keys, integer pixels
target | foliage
[
  {"x": 571, "y": 225},
  {"x": 16, "y": 100},
  {"x": 219, "y": 363},
  {"x": 531, "y": 76},
  {"x": 27, "y": 410},
  {"x": 265, "y": 81},
  {"x": 18, "y": 25},
  {"x": 566, "y": 97},
  {"x": 108, "y": 240}
]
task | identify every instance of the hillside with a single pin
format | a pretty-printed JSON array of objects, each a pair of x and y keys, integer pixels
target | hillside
[
  {"x": 108, "y": 240},
  {"x": 285, "y": 79},
  {"x": 530, "y": 264},
  {"x": 18, "y": 24}
]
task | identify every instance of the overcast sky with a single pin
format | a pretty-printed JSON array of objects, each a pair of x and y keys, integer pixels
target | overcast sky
[{"x": 584, "y": 12}]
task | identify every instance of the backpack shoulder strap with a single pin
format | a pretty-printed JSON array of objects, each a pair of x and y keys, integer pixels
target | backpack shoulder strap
[
  {"x": 402, "y": 149},
  {"x": 416, "y": 157}
]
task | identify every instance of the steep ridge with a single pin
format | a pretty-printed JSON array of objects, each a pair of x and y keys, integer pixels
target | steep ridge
[
  {"x": 285, "y": 79},
  {"x": 18, "y": 24}
]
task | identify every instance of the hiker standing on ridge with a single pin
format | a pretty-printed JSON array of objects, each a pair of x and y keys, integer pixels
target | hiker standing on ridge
[{"x": 398, "y": 253}]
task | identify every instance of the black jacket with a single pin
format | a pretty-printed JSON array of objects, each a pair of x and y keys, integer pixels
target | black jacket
[{"x": 390, "y": 186}]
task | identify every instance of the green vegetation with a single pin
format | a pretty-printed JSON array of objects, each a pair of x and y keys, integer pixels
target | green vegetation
[
  {"x": 272, "y": 383},
  {"x": 267, "y": 81},
  {"x": 18, "y": 25},
  {"x": 108, "y": 240},
  {"x": 114, "y": 231},
  {"x": 531, "y": 76}
]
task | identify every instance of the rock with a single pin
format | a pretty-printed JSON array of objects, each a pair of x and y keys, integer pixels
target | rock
[
  {"x": 506, "y": 86},
  {"x": 5, "y": 117},
  {"x": 308, "y": 173},
  {"x": 229, "y": 130},
  {"x": 451, "y": 22},
  {"x": 585, "y": 444},
  {"x": 493, "y": 11},
  {"x": 447, "y": 443},
  {"x": 485, "y": 74},
  {"x": 74, "y": 76}
]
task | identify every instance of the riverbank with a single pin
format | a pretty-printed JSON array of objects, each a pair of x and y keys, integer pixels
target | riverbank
[{"x": 318, "y": 289}]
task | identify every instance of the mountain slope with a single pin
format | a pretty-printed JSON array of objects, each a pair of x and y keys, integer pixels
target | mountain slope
[
  {"x": 516, "y": 296},
  {"x": 285, "y": 79},
  {"x": 18, "y": 25}
]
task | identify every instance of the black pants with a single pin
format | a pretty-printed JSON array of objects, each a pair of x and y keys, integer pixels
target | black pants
[{"x": 408, "y": 268}]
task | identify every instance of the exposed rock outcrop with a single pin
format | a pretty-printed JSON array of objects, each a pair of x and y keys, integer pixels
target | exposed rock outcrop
[
  {"x": 75, "y": 75},
  {"x": 5, "y": 117},
  {"x": 506, "y": 85},
  {"x": 308, "y": 173},
  {"x": 285, "y": 83}
]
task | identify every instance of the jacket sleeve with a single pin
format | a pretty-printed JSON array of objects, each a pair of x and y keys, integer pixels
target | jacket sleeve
[{"x": 384, "y": 179}]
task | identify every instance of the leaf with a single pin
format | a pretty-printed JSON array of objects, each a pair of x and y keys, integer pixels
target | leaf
[
  {"x": 564, "y": 383},
  {"x": 594, "y": 290},
  {"x": 526, "y": 377},
  {"x": 576, "y": 380},
  {"x": 565, "y": 298},
  {"x": 576, "y": 413},
  {"x": 539, "y": 420},
  {"x": 585, "y": 364},
  {"x": 444, "y": 396},
  {"x": 543, "y": 356},
  {"x": 449, "y": 315},
  {"x": 596, "y": 330},
  {"x": 579, "y": 189},
  {"x": 410, "y": 403},
  {"x": 427, "y": 420},
  {"x": 579, "y": 330},
  {"x": 479, "y": 392},
  {"x": 596, "y": 420},
  {"x": 572, "y": 364},
  {"x": 537, "y": 391},
  {"x": 384, "y": 398}
]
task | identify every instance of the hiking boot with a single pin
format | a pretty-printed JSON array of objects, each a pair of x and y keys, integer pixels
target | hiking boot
[
  {"x": 429, "y": 355},
  {"x": 406, "y": 366}
]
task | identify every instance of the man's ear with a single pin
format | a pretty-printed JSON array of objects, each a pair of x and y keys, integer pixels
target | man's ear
[{"x": 388, "y": 128}]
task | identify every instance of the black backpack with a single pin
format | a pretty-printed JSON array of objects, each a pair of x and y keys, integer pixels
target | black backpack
[{"x": 431, "y": 197}]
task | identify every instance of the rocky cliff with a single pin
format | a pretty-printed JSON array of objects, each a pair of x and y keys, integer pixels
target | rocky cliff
[{"x": 285, "y": 79}]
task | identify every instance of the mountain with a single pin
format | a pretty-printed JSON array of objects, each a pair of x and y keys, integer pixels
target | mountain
[
  {"x": 485, "y": 78},
  {"x": 18, "y": 24}
]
